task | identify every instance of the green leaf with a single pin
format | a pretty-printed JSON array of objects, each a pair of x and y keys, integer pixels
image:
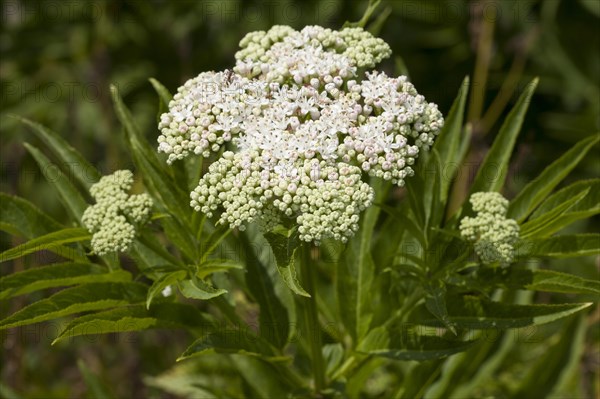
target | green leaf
[
  {"x": 210, "y": 244},
  {"x": 551, "y": 281},
  {"x": 179, "y": 237},
  {"x": 547, "y": 369},
  {"x": 96, "y": 388},
  {"x": 588, "y": 206},
  {"x": 492, "y": 172},
  {"x": 158, "y": 183},
  {"x": 273, "y": 316},
  {"x": 163, "y": 94},
  {"x": 163, "y": 282},
  {"x": 284, "y": 245},
  {"x": 69, "y": 195},
  {"x": 215, "y": 266},
  {"x": 435, "y": 302},
  {"x": 137, "y": 318},
  {"x": 78, "y": 166},
  {"x": 198, "y": 289},
  {"x": 535, "y": 192},
  {"x": 242, "y": 341},
  {"x": 20, "y": 217},
  {"x": 538, "y": 227},
  {"x": 401, "y": 343},
  {"x": 448, "y": 141},
  {"x": 263, "y": 377},
  {"x": 564, "y": 246},
  {"x": 356, "y": 272},
  {"x": 516, "y": 278},
  {"x": 49, "y": 241},
  {"x": 431, "y": 176},
  {"x": 477, "y": 313},
  {"x": 57, "y": 275},
  {"x": 78, "y": 299}
]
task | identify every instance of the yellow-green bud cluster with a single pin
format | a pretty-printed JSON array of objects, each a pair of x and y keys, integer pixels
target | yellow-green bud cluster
[
  {"x": 493, "y": 235},
  {"x": 325, "y": 199},
  {"x": 282, "y": 53},
  {"x": 114, "y": 217}
]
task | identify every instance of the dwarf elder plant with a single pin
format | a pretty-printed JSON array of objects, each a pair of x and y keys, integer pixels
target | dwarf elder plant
[{"x": 276, "y": 183}]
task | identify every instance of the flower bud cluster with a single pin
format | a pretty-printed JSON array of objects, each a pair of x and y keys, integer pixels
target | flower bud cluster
[
  {"x": 493, "y": 234},
  {"x": 294, "y": 103},
  {"x": 114, "y": 217},
  {"x": 314, "y": 52},
  {"x": 324, "y": 198}
]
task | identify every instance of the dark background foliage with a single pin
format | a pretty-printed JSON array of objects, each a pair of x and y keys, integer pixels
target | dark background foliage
[{"x": 57, "y": 59}]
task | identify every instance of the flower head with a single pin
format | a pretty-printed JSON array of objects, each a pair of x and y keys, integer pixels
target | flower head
[
  {"x": 304, "y": 129},
  {"x": 113, "y": 218},
  {"x": 492, "y": 233}
]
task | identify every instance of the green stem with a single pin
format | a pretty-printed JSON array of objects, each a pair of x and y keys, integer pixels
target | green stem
[{"x": 312, "y": 318}]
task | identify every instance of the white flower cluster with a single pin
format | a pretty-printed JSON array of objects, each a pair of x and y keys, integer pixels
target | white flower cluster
[
  {"x": 494, "y": 235},
  {"x": 304, "y": 127},
  {"x": 113, "y": 218}
]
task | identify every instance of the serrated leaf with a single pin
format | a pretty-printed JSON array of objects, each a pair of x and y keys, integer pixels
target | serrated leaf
[
  {"x": 448, "y": 141},
  {"x": 78, "y": 299},
  {"x": 545, "y": 371},
  {"x": 78, "y": 166},
  {"x": 477, "y": 313},
  {"x": 534, "y": 280},
  {"x": 49, "y": 241},
  {"x": 96, "y": 388},
  {"x": 435, "y": 302},
  {"x": 68, "y": 194},
  {"x": 355, "y": 274},
  {"x": 401, "y": 343},
  {"x": 492, "y": 172},
  {"x": 178, "y": 235},
  {"x": 551, "y": 281},
  {"x": 57, "y": 275},
  {"x": 20, "y": 217},
  {"x": 263, "y": 377},
  {"x": 537, "y": 227},
  {"x": 211, "y": 266},
  {"x": 284, "y": 246},
  {"x": 587, "y": 207},
  {"x": 198, "y": 289},
  {"x": 564, "y": 246},
  {"x": 163, "y": 282},
  {"x": 137, "y": 318},
  {"x": 210, "y": 244},
  {"x": 158, "y": 183},
  {"x": 163, "y": 94},
  {"x": 273, "y": 316},
  {"x": 240, "y": 341},
  {"x": 535, "y": 192}
]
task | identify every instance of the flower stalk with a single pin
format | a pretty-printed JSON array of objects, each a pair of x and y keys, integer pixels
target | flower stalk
[{"x": 311, "y": 314}]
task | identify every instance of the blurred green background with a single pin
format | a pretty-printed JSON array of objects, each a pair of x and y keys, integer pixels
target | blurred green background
[{"x": 57, "y": 59}]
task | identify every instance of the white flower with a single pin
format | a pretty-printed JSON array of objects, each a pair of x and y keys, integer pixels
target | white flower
[{"x": 303, "y": 126}]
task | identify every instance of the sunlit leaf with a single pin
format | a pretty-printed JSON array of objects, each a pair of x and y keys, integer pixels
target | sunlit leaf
[
  {"x": 57, "y": 275},
  {"x": 137, "y": 318},
  {"x": 50, "y": 241},
  {"x": 83, "y": 298}
]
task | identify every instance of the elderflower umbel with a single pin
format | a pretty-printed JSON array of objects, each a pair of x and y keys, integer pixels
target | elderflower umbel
[
  {"x": 493, "y": 234},
  {"x": 304, "y": 125},
  {"x": 113, "y": 218}
]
